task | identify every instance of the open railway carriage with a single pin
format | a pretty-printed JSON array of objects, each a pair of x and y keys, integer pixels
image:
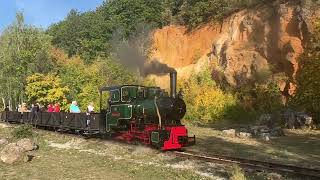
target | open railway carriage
[
  {"x": 135, "y": 113},
  {"x": 147, "y": 114},
  {"x": 90, "y": 124}
]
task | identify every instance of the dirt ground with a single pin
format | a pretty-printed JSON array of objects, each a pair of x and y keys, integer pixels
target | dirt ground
[{"x": 63, "y": 156}]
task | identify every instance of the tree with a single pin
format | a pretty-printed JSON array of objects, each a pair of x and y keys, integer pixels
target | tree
[
  {"x": 84, "y": 80},
  {"x": 85, "y": 34},
  {"x": 91, "y": 34},
  {"x": 23, "y": 51},
  {"x": 308, "y": 82},
  {"x": 206, "y": 102},
  {"x": 194, "y": 13},
  {"x": 46, "y": 89}
]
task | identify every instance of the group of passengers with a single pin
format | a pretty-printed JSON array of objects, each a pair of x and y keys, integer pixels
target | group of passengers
[{"x": 36, "y": 107}]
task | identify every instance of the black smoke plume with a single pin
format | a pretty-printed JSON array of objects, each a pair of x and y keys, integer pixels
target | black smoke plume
[
  {"x": 133, "y": 53},
  {"x": 156, "y": 67}
]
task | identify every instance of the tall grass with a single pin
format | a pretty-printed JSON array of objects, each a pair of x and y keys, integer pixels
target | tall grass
[{"x": 237, "y": 173}]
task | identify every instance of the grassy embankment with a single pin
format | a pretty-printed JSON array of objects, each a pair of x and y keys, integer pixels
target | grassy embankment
[
  {"x": 297, "y": 147},
  {"x": 62, "y": 156}
]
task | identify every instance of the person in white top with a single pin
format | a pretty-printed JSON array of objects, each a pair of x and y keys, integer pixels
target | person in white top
[{"x": 90, "y": 109}]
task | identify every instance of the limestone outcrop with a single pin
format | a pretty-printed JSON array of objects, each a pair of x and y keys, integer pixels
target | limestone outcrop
[{"x": 266, "y": 38}]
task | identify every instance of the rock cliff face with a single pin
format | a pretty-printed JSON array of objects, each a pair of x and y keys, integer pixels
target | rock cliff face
[{"x": 267, "y": 38}]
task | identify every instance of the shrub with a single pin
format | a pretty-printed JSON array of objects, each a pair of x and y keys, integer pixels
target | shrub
[
  {"x": 206, "y": 102},
  {"x": 237, "y": 173},
  {"x": 23, "y": 131},
  {"x": 307, "y": 97}
]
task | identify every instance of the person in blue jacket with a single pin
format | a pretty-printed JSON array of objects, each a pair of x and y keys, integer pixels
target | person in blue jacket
[{"x": 74, "y": 108}]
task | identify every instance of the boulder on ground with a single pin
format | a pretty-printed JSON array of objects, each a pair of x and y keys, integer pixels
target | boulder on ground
[
  {"x": 297, "y": 120},
  {"x": 265, "y": 136},
  {"x": 12, "y": 153},
  {"x": 303, "y": 121},
  {"x": 27, "y": 144},
  {"x": 16, "y": 152},
  {"x": 229, "y": 132},
  {"x": 244, "y": 135},
  {"x": 256, "y": 130},
  {"x": 277, "y": 131},
  {"x": 264, "y": 119},
  {"x": 263, "y": 132}
]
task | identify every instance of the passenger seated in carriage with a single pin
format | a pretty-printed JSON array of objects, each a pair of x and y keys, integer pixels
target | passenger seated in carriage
[
  {"x": 90, "y": 108},
  {"x": 35, "y": 108},
  {"x": 24, "y": 108},
  {"x": 7, "y": 108},
  {"x": 74, "y": 108},
  {"x": 50, "y": 108},
  {"x": 56, "y": 107}
]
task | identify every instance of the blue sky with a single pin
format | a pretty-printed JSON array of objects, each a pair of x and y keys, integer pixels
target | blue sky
[{"x": 42, "y": 13}]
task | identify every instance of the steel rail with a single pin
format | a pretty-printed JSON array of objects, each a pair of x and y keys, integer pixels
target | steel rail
[{"x": 252, "y": 164}]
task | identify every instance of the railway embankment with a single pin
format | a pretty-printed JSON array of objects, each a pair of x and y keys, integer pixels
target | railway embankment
[{"x": 73, "y": 156}]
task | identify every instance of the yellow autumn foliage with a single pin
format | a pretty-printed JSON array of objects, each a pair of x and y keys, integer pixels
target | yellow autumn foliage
[
  {"x": 206, "y": 102},
  {"x": 46, "y": 89}
]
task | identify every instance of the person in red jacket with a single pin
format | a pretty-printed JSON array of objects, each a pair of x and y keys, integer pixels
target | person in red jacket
[
  {"x": 57, "y": 107},
  {"x": 50, "y": 108}
]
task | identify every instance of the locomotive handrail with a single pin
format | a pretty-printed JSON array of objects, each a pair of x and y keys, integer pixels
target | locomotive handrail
[{"x": 158, "y": 112}]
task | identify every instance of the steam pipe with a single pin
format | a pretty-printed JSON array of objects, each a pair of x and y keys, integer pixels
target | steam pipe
[{"x": 173, "y": 84}]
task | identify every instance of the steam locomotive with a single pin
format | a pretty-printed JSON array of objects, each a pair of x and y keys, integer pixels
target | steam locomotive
[{"x": 135, "y": 113}]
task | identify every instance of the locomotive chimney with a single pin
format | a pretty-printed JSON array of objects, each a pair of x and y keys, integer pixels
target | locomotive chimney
[{"x": 173, "y": 84}]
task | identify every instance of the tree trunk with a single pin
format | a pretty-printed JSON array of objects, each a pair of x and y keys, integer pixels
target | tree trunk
[{"x": 4, "y": 102}]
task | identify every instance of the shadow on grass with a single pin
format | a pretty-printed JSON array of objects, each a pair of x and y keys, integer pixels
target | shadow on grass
[{"x": 294, "y": 148}]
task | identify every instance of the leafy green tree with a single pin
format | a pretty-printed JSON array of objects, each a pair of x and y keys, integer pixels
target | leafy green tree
[
  {"x": 90, "y": 34},
  {"x": 83, "y": 34},
  {"x": 46, "y": 89},
  {"x": 23, "y": 51},
  {"x": 127, "y": 14},
  {"x": 268, "y": 98},
  {"x": 195, "y": 12}
]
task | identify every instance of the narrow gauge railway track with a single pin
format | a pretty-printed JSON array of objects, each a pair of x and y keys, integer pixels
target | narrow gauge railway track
[
  {"x": 253, "y": 164},
  {"x": 246, "y": 163}
]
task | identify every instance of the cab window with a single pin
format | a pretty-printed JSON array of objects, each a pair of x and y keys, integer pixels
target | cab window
[
  {"x": 152, "y": 92},
  {"x": 141, "y": 93},
  {"x": 128, "y": 93},
  {"x": 115, "y": 95},
  {"x": 125, "y": 94}
]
